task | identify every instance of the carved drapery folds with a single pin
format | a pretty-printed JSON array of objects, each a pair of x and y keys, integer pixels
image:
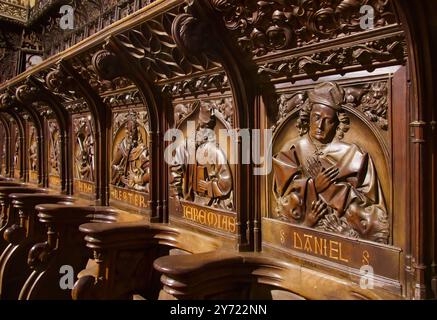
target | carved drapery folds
[
  {"x": 84, "y": 152},
  {"x": 200, "y": 171},
  {"x": 130, "y": 158},
  {"x": 33, "y": 154},
  {"x": 322, "y": 182},
  {"x": 54, "y": 152},
  {"x": 262, "y": 27}
]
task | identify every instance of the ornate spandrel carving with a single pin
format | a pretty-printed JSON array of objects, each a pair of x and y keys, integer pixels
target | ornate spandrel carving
[
  {"x": 156, "y": 47},
  {"x": 367, "y": 55},
  {"x": 131, "y": 158},
  {"x": 322, "y": 182},
  {"x": 374, "y": 103},
  {"x": 370, "y": 99},
  {"x": 197, "y": 85},
  {"x": 222, "y": 108},
  {"x": 54, "y": 149},
  {"x": 33, "y": 150},
  {"x": 84, "y": 158},
  {"x": 202, "y": 173},
  {"x": 267, "y": 26}
]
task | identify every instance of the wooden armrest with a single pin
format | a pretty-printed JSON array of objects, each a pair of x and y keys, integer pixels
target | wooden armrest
[
  {"x": 127, "y": 235},
  {"x": 11, "y": 184},
  {"x": 30, "y": 200}
]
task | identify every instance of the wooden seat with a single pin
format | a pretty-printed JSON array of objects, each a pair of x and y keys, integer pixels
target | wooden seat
[
  {"x": 64, "y": 246},
  {"x": 7, "y": 219},
  {"x": 21, "y": 236},
  {"x": 252, "y": 276},
  {"x": 124, "y": 254},
  {"x": 11, "y": 184}
]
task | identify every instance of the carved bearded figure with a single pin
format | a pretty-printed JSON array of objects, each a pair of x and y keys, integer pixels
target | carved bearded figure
[
  {"x": 208, "y": 180},
  {"x": 33, "y": 151},
  {"x": 130, "y": 165},
  {"x": 324, "y": 183}
]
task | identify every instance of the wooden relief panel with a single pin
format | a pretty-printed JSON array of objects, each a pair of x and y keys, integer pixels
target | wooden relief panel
[
  {"x": 54, "y": 154},
  {"x": 3, "y": 152},
  {"x": 201, "y": 173},
  {"x": 17, "y": 153},
  {"x": 130, "y": 164},
  {"x": 329, "y": 190},
  {"x": 84, "y": 155},
  {"x": 33, "y": 154}
]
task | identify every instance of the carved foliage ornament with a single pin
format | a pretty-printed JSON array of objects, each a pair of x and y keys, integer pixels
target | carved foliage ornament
[
  {"x": 197, "y": 85},
  {"x": 155, "y": 44},
  {"x": 371, "y": 99},
  {"x": 265, "y": 26},
  {"x": 222, "y": 108},
  {"x": 321, "y": 182},
  {"x": 365, "y": 55}
]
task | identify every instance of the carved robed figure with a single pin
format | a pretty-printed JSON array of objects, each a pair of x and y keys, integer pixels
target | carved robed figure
[
  {"x": 130, "y": 164},
  {"x": 324, "y": 183},
  {"x": 207, "y": 179}
]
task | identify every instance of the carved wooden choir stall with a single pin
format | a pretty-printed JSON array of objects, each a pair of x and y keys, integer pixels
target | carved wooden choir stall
[{"x": 218, "y": 149}]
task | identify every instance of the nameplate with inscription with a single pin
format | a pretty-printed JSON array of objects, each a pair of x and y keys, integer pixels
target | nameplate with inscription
[
  {"x": 33, "y": 176},
  {"x": 54, "y": 181},
  {"x": 84, "y": 187},
  {"x": 349, "y": 252},
  {"x": 129, "y": 197},
  {"x": 209, "y": 217}
]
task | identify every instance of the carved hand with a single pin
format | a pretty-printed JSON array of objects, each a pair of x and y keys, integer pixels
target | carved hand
[
  {"x": 314, "y": 167},
  {"x": 318, "y": 210},
  {"x": 203, "y": 186},
  {"x": 325, "y": 178}
]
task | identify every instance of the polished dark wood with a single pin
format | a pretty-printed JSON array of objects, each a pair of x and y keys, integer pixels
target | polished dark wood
[
  {"x": 21, "y": 236},
  {"x": 353, "y": 180}
]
